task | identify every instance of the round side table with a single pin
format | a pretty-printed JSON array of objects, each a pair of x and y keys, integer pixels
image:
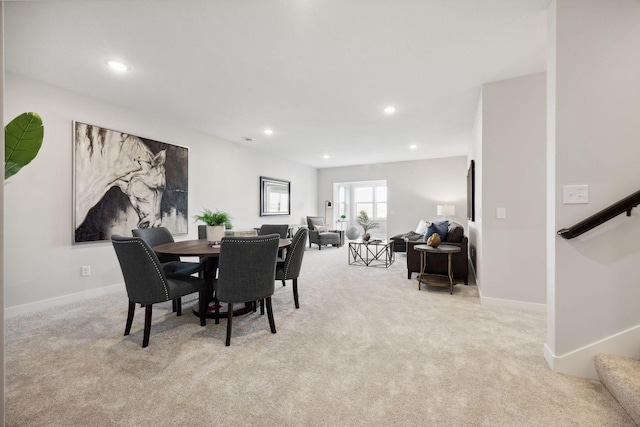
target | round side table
[{"x": 441, "y": 249}]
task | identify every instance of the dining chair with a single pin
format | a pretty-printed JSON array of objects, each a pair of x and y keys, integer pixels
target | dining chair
[
  {"x": 147, "y": 283},
  {"x": 281, "y": 229},
  {"x": 290, "y": 267},
  {"x": 172, "y": 265},
  {"x": 246, "y": 273}
]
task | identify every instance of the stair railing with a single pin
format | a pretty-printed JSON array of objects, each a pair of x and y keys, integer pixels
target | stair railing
[{"x": 624, "y": 205}]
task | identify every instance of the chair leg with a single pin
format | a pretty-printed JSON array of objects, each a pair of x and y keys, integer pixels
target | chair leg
[
  {"x": 132, "y": 308},
  {"x": 217, "y": 310},
  {"x": 283, "y": 283},
  {"x": 147, "y": 325},
  {"x": 229, "y": 322},
  {"x": 272, "y": 322},
  {"x": 178, "y": 305},
  {"x": 202, "y": 309},
  {"x": 174, "y": 306},
  {"x": 262, "y": 307},
  {"x": 295, "y": 292}
]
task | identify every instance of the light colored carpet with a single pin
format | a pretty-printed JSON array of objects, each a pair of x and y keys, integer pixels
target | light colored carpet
[
  {"x": 620, "y": 375},
  {"x": 366, "y": 348}
]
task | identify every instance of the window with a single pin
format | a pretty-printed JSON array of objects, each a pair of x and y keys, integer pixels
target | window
[{"x": 372, "y": 200}]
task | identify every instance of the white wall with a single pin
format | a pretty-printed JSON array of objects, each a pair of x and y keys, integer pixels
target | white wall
[
  {"x": 596, "y": 282},
  {"x": 414, "y": 189},
  {"x": 513, "y": 174},
  {"x": 41, "y": 262},
  {"x": 475, "y": 226}
]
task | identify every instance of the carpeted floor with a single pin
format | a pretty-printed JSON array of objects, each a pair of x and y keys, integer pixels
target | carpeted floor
[{"x": 366, "y": 348}]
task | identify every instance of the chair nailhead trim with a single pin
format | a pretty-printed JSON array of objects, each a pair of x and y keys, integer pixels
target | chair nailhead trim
[{"x": 164, "y": 284}]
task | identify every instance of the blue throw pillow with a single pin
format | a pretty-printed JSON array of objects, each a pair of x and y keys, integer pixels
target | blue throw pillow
[{"x": 440, "y": 227}]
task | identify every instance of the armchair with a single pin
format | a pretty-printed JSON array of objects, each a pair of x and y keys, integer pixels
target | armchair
[{"x": 319, "y": 233}]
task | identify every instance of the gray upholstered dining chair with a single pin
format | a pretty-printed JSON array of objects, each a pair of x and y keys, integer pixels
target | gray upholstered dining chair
[
  {"x": 246, "y": 273},
  {"x": 171, "y": 264},
  {"x": 290, "y": 267},
  {"x": 147, "y": 284},
  {"x": 281, "y": 229},
  {"x": 319, "y": 233}
]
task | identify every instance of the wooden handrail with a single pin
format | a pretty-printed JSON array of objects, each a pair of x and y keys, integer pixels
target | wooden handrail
[{"x": 624, "y": 205}]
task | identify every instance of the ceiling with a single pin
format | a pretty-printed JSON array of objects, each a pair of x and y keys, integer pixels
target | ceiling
[{"x": 317, "y": 72}]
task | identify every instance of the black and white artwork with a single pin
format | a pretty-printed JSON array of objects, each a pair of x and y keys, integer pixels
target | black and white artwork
[{"x": 122, "y": 182}]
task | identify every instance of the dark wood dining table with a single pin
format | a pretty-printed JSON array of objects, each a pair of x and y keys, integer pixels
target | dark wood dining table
[{"x": 202, "y": 249}]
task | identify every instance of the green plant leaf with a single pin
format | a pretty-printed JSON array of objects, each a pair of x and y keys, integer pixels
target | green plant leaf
[{"x": 22, "y": 141}]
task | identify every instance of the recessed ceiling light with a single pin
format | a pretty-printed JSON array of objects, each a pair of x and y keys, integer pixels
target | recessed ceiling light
[
  {"x": 413, "y": 146},
  {"x": 117, "y": 65},
  {"x": 390, "y": 109},
  {"x": 326, "y": 156},
  {"x": 268, "y": 131}
]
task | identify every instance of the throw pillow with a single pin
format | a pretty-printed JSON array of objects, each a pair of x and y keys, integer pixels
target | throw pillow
[
  {"x": 455, "y": 233},
  {"x": 440, "y": 227},
  {"x": 322, "y": 228},
  {"x": 422, "y": 227}
]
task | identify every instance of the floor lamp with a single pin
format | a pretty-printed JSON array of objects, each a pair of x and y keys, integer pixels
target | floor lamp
[{"x": 327, "y": 205}]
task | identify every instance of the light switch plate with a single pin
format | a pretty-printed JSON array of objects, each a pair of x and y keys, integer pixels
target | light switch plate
[
  {"x": 501, "y": 213},
  {"x": 575, "y": 194}
]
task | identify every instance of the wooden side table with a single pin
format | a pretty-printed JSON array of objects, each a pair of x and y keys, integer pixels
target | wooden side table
[{"x": 442, "y": 249}]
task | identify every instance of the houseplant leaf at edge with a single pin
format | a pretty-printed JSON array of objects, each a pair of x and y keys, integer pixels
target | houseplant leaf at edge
[{"x": 22, "y": 141}]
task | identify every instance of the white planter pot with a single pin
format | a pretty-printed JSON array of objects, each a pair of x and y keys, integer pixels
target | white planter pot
[{"x": 215, "y": 233}]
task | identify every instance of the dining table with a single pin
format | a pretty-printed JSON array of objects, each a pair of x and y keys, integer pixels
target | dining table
[{"x": 201, "y": 248}]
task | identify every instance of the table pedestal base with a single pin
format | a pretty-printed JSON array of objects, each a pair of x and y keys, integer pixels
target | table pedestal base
[{"x": 211, "y": 314}]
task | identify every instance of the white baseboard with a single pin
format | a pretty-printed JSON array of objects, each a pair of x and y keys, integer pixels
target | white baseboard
[
  {"x": 519, "y": 305},
  {"x": 579, "y": 363},
  {"x": 66, "y": 299}
]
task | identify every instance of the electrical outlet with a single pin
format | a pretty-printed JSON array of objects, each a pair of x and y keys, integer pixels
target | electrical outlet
[
  {"x": 85, "y": 271},
  {"x": 575, "y": 194}
]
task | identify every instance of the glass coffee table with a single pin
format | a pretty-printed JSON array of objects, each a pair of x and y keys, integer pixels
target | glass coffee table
[{"x": 372, "y": 253}]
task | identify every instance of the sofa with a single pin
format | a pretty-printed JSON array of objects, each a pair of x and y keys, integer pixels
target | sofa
[{"x": 438, "y": 263}]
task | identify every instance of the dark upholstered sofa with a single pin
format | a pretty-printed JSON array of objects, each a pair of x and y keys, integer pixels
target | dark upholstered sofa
[{"x": 437, "y": 263}]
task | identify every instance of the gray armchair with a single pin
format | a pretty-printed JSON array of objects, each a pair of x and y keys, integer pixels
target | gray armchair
[
  {"x": 290, "y": 267},
  {"x": 246, "y": 273},
  {"x": 319, "y": 234},
  {"x": 147, "y": 284}
]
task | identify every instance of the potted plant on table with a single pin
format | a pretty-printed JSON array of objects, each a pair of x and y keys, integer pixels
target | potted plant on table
[
  {"x": 366, "y": 224},
  {"x": 217, "y": 224}
]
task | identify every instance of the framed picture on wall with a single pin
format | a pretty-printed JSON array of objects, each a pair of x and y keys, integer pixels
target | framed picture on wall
[
  {"x": 471, "y": 192},
  {"x": 122, "y": 181},
  {"x": 275, "y": 196}
]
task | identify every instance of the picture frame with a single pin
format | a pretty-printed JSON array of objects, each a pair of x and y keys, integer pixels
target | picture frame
[
  {"x": 471, "y": 192},
  {"x": 275, "y": 197},
  {"x": 123, "y": 181}
]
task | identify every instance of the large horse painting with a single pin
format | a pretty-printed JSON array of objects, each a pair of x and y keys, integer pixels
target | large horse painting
[{"x": 123, "y": 181}]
